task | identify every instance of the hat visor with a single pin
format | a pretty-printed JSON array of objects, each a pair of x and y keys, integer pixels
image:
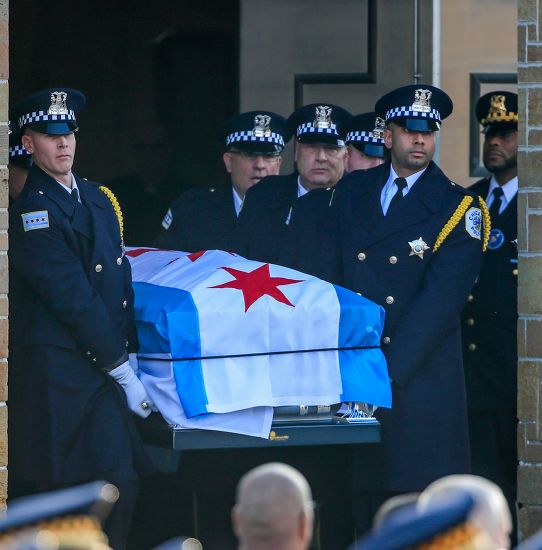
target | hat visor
[
  {"x": 370, "y": 149},
  {"x": 54, "y": 128},
  {"x": 418, "y": 124},
  {"x": 257, "y": 147},
  {"x": 328, "y": 139},
  {"x": 499, "y": 127}
]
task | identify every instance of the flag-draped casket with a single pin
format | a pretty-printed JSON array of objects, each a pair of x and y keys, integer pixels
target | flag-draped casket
[{"x": 223, "y": 340}]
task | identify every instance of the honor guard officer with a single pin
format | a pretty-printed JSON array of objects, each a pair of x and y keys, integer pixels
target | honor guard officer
[
  {"x": 204, "y": 219},
  {"x": 71, "y": 323},
  {"x": 406, "y": 237},
  {"x": 490, "y": 316},
  {"x": 269, "y": 210},
  {"x": 365, "y": 142}
]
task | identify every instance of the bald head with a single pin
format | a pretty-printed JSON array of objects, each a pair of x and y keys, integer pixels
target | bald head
[{"x": 273, "y": 509}]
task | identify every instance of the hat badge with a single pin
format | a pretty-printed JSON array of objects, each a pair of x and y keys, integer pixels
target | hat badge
[
  {"x": 421, "y": 101},
  {"x": 261, "y": 126},
  {"x": 497, "y": 106},
  {"x": 323, "y": 117},
  {"x": 380, "y": 124},
  {"x": 58, "y": 104}
]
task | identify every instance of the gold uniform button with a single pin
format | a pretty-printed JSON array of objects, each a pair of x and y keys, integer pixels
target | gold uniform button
[
  {"x": 98, "y": 268},
  {"x": 393, "y": 259},
  {"x": 470, "y": 298},
  {"x": 119, "y": 261},
  {"x": 386, "y": 339},
  {"x": 361, "y": 256},
  {"x": 514, "y": 271},
  {"x": 124, "y": 304},
  {"x": 470, "y": 321},
  {"x": 390, "y": 300},
  {"x": 472, "y": 347}
]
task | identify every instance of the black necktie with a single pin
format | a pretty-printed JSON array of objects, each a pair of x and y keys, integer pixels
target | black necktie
[
  {"x": 398, "y": 197},
  {"x": 497, "y": 202},
  {"x": 75, "y": 197}
]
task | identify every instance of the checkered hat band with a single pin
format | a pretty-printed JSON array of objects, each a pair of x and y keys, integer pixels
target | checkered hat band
[
  {"x": 408, "y": 112},
  {"x": 249, "y": 136},
  {"x": 308, "y": 128},
  {"x": 44, "y": 116},
  {"x": 17, "y": 151},
  {"x": 365, "y": 137}
]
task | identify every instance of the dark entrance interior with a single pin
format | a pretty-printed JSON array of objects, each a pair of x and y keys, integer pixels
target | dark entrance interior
[{"x": 160, "y": 78}]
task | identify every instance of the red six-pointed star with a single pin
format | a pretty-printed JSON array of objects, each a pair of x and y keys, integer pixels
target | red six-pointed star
[{"x": 257, "y": 283}]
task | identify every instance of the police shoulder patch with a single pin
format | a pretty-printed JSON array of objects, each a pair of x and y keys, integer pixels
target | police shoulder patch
[
  {"x": 35, "y": 220},
  {"x": 473, "y": 223},
  {"x": 168, "y": 218}
]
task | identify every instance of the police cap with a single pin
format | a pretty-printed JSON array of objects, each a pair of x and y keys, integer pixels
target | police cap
[
  {"x": 258, "y": 132},
  {"x": 365, "y": 132},
  {"x": 50, "y": 111},
  {"x": 319, "y": 123},
  {"x": 412, "y": 528},
  {"x": 417, "y": 107},
  {"x": 497, "y": 111},
  {"x": 17, "y": 153}
]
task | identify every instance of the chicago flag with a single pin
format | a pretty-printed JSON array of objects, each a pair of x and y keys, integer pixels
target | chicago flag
[{"x": 224, "y": 339}]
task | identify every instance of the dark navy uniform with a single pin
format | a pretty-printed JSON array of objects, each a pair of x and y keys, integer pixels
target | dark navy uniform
[
  {"x": 418, "y": 259},
  {"x": 71, "y": 322},
  {"x": 489, "y": 324},
  {"x": 424, "y": 435},
  {"x": 200, "y": 219},
  {"x": 298, "y": 223}
]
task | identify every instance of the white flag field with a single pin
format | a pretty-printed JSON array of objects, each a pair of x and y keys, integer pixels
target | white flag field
[{"x": 224, "y": 339}]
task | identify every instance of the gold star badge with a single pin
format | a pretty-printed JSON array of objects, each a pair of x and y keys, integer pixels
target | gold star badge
[{"x": 418, "y": 247}]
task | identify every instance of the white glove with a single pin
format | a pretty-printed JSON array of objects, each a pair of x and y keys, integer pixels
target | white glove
[
  {"x": 134, "y": 363},
  {"x": 138, "y": 400}
]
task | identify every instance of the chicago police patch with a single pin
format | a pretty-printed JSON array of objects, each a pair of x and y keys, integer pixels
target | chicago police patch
[
  {"x": 35, "y": 220},
  {"x": 473, "y": 222},
  {"x": 168, "y": 218}
]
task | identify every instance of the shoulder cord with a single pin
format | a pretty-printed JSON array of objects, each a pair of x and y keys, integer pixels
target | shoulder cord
[
  {"x": 116, "y": 207},
  {"x": 450, "y": 225}
]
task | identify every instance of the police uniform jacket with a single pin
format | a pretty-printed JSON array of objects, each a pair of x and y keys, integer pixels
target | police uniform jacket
[
  {"x": 424, "y": 435},
  {"x": 277, "y": 226},
  {"x": 200, "y": 219},
  {"x": 490, "y": 317},
  {"x": 71, "y": 316}
]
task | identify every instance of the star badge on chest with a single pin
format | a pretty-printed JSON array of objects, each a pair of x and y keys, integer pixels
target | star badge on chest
[{"x": 418, "y": 247}]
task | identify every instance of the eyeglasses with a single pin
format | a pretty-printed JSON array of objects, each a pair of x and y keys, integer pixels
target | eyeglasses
[{"x": 267, "y": 158}]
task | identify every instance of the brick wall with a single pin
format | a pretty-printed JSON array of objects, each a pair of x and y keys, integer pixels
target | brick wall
[
  {"x": 4, "y": 43},
  {"x": 530, "y": 265}
]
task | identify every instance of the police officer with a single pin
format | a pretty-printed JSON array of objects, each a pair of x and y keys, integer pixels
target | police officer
[
  {"x": 364, "y": 142},
  {"x": 71, "y": 323},
  {"x": 203, "y": 219},
  {"x": 409, "y": 239},
  {"x": 490, "y": 316},
  {"x": 269, "y": 210}
]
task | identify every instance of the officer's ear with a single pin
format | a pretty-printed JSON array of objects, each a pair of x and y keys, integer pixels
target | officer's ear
[
  {"x": 28, "y": 142},
  {"x": 226, "y": 157},
  {"x": 388, "y": 137}
]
